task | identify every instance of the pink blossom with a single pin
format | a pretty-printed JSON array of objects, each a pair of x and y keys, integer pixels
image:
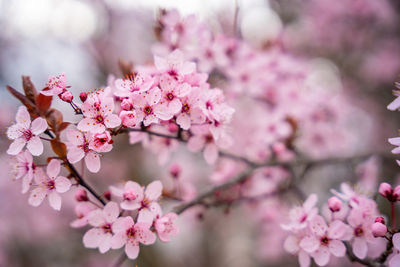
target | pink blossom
[
  {"x": 97, "y": 111},
  {"x": 165, "y": 226},
  {"x": 50, "y": 185},
  {"x": 292, "y": 246},
  {"x": 300, "y": 216},
  {"x": 81, "y": 195},
  {"x": 379, "y": 229},
  {"x": 79, "y": 146},
  {"x": 191, "y": 111},
  {"x": 101, "y": 234},
  {"x": 23, "y": 132},
  {"x": 324, "y": 240},
  {"x": 130, "y": 235},
  {"x": 361, "y": 231},
  {"x": 136, "y": 83},
  {"x": 146, "y": 106},
  {"x": 395, "y": 260},
  {"x": 132, "y": 195},
  {"x": 101, "y": 142},
  {"x": 389, "y": 193},
  {"x": 174, "y": 65},
  {"x": 334, "y": 204},
  {"x": 56, "y": 85},
  {"x": 25, "y": 168},
  {"x": 82, "y": 211}
]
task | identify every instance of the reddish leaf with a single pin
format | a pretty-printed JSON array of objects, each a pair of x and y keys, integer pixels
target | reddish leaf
[
  {"x": 54, "y": 118},
  {"x": 29, "y": 88},
  {"x": 24, "y": 100},
  {"x": 62, "y": 126},
  {"x": 59, "y": 148},
  {"x": 43, "y": 103}
]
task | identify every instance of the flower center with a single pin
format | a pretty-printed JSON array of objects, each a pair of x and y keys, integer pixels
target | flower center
[
  {"x": 28, "y": 134},
  {"x": 209, "y": 138},
  {"x": 358, "y": 231},
  {"x": 186, "y": 108},
  {"x": 148, "y": 110},
  {"x": 107, "y": 228},
  {"x": 51, "y": 185},
  {"x": 170, "y": 96},
  {"x": 131, "y": 232},
  {"x": 324, "y": 240},
  {"x": 99, "y": 119}
]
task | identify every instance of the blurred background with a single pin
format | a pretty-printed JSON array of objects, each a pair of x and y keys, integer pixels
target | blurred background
[{"x": 353, "y": 45}]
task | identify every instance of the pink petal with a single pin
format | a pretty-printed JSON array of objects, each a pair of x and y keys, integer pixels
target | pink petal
[
  {"x": 75, "y": 154},
  {"x": 111, "y": 212},
  {"x": 23, "y": 118},
  {"x": 105, "y": 243},
  {"x": 15, "y": 131},
  {"x": 196, "y": 143},
  {"x": 309, "y": 244},
  {"x": 145, "y": 216},
  {"x": 310, "y": 202},
  {"x": 188, "y": 67},
  {"x": 164, "y": 112},
  {"x": 96, "y": 218},
  {"x": 337, "y": 248},
  {"x": 39, "y": 125},
  {"x": 16, "y": 146},
  {"x": 35, "y": 146},
  {"x": 75, "y": 137},
  {"x": 26, "y": 183},
  {"x": 211, "y": 153},
  {"x": 118, "y": 240},
  {"x": 394, "y": 141},
  {"x": 153, "y": 96},
  {"x": 394, "y": 105},
  {"x": 291, "y": 244},
  {"x": 55, "y": 200},
  {"x": 150, "y": 119},
  {"x": 304, "y": 259},
  {"x": 92, "y": 161},
  {"x": 395, "y": 261},
  {"x": 37, "y": 196},
  {"x": 184, "y": 121},
  {"x": 360, "y": 247},
  {"x": 175, "y": 106},
  {"x": 132, "y": 250},
  {"x": 122, "y": 224},
  {"x": 112, "y": 121},
  {"x": 146, "y": 236},
  {"x": 92, "y": 238},
  {"x": 337, "y": 229},
  {"x": 396, "y": 241},
  {"x": 318, "y": 225},
  {"x": 130, "y": 205},
  {"x": 53, "y": 168},
  {"x": 86, "y": 124},
  {"x": 321, "y": 256},
  {"x": 62, "y": 184},
  {"x": 153, "y": 190},
  {"x": 160, "y": 63}
]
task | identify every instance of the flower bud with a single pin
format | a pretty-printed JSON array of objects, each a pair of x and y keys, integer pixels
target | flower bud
[
  {"x": 380, "y": 220},
  {"x": 126, "y": 104},
  {"x": 173, "y": 128},
  {"x": 81, "y": 195},
  {"x": 83, "y": 96},
  {"x": 107, "y": 194},
  {"x": 387, "y": 192},
  {"x": 67, "y": 96},
  {"x": 379, "y": 229},
  {"x": 334, "y": 204},
  {"x": 175, "y": 170},
  {"x": 128, "y": 118}
]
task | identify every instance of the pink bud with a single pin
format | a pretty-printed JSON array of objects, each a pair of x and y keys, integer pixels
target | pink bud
[
  {"x": 126, "y": 104},
  {"x": 83, "y": 96},
  {"x": 128, "y": 118},
  {"x": 380, "y": 220},
  {"x": 67, "y": 96},
  {"x": 81, "y": 195},
  {"x": 379, "y": 229},
  {"x": 107, "y": 194},
  {"x": 334, "y": 204},
  {"x": 175, "y": 170},
  {"x": 387, "y": 192}
]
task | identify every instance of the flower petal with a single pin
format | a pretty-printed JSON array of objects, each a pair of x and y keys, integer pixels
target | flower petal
[
  {"x": 39, "y": 125},
  {"x": 62, "y": 184},
  {"x": 55, "y": 200},
  {"x": 35, "y": 146},
  {"x": 92, "y": 161}
]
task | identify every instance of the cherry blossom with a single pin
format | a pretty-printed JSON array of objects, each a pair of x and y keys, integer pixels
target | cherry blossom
[
  {"x": 80, "y": 146},
  {"x": 82, "y": 211},
  {"x": 132, "y": 195},
  {"x": 174, "y": 65},
  {"x": 100, "y": 236},
  {"x": 56, "y": 85},
  {"x": 25, "y": 168},
  {"x": 324, "y": 240},
  {"x": 25, "y": 132},
  {"x": 395, "y": 260},
  {"x": 136, "y": 83},
  {"x": 300, "y": 216},
  {"x": 165, "y": 226},
  {"x": 97, "y": 111},
  {"x": 130, "y": 235},
  {"x": 50, "y": 186}
]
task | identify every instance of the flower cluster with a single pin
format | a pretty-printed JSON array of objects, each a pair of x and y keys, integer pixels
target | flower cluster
[{"x": 112, "y": 230}]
